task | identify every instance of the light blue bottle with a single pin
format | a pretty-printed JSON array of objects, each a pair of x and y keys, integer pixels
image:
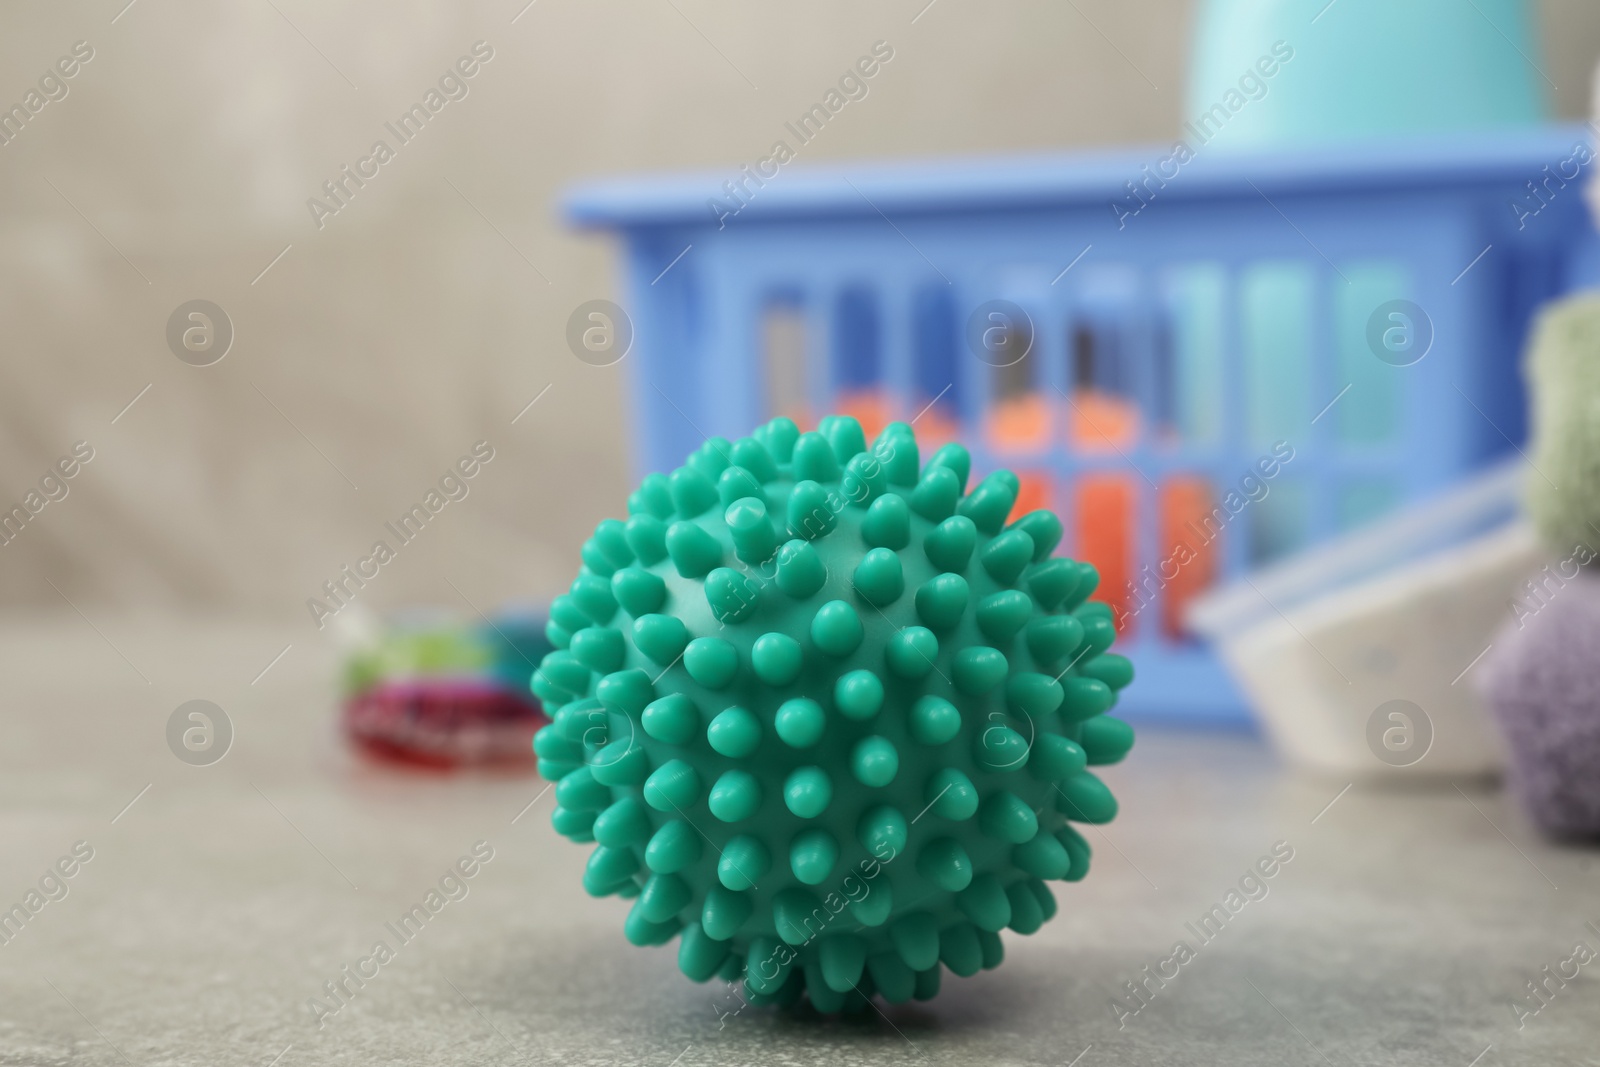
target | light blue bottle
[{"x": 1361, "y": 68}]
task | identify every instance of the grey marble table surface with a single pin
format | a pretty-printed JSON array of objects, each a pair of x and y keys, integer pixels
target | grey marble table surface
[{"x": 218, "y": 900}]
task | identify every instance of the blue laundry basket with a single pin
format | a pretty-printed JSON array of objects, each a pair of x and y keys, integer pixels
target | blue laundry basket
[{"x": 1348, "y": 319}]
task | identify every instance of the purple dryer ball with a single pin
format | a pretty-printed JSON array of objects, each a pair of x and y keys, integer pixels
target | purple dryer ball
[{"x": 1542, "y": 681}]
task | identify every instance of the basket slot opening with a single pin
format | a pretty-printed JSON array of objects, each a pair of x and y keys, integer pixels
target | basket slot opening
[
  {"x": 857, "y": 363},
  {"x": 1188, "y": 552},
  {"x": 1019, "y": 415},
  {"x": 1279, "y": 515},
  {"x": 1361, "y": 319},
  {"x": 783, "y": 344},
  {"x": 1361, "y": 500},
  {"x": 1104, "y": 410},
  {"x": 1194, "y": 304},
  {"x": 936, "y": 388},
  {"x": 1276, "y": 301}
]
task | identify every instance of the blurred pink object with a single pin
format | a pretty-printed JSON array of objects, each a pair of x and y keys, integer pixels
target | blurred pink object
[{"x": 444, "y": 722}]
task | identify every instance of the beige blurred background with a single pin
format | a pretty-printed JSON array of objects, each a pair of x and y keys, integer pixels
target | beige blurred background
[{"x": 427, "y": 314}]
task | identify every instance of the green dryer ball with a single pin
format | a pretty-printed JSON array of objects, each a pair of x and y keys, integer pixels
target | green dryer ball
[
  {"x": 827, "y": 715},
  {"x": 1563, "y": 367}
]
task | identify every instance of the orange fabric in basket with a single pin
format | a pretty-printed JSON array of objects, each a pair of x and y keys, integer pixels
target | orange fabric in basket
[
  {"x": 1020, "y": 423},
  {"x": 935, "y": 427},
  {"x": 1097, "y": 421},
  {"x": 1105, "y": 538}
]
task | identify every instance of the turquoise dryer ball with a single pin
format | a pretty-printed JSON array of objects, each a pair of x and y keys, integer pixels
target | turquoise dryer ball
[{"x": 827, "y": 716}]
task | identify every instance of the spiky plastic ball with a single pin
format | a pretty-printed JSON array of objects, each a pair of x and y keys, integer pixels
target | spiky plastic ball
[{"x": 828, "y": 716}]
